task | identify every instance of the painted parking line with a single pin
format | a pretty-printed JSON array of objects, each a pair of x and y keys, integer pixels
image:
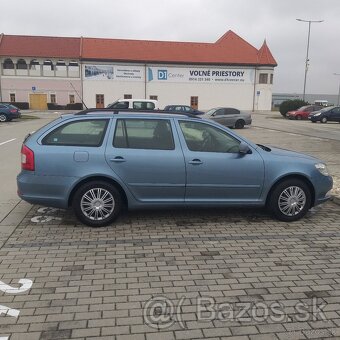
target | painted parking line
[{"x": 8, "y": 141}]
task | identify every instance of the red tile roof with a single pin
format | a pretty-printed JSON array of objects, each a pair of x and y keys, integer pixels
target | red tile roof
[
  {"x": 230, "y": 49},
  {"x": 43, "y": 47},
  {"x": 265, "y": 56}
]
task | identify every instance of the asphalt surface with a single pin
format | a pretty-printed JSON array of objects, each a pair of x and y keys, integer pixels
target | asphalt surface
[{"x": 187, "y": 274}]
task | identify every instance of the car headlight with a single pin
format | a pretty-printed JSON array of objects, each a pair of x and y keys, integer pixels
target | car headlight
[
  {"x": 317, "y": 114},
  {"x": 322, "y": 168}
]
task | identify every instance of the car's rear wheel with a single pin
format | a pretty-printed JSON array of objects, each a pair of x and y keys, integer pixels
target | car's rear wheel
[
  {"x": 290, "y": 200},
  {"x": 97, "y": 203},
  {"x": 239, "y": 124},
  {"x": 323, "y": 120},
  {"x": 3, "y": 117}
]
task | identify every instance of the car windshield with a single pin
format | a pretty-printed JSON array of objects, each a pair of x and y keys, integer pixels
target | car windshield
[{"x": 211, "y": 112}]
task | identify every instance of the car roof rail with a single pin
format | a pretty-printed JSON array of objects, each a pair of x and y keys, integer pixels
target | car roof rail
[{"x": 117, "y": 111}]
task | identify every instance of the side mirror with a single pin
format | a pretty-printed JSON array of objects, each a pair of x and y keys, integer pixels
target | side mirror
[{"x": 244, "y": 149}]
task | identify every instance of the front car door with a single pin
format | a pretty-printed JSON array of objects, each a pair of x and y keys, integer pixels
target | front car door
[
  {"x": 335, "y": 115},
  {"x": 216, "y": 171},
  {"x": 148, "y": 158}
]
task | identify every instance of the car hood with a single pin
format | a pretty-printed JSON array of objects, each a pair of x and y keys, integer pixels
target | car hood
[
  {"x": 291, "y": 112},
  {"x": 289, "y": 153}
]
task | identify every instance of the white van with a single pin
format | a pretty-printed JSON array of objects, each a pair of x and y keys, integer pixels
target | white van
[
  {"x": 136, "y": 104},
  {"x": 321, "y": 102}
]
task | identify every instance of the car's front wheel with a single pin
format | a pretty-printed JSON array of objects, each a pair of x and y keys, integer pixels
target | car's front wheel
[
  {"x": 324, "y": 120},
  {"x": 97, "y": 203},
  {"x": 290, "y": 200}
]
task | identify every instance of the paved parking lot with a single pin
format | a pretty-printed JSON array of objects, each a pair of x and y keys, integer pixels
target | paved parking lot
[{"x": 184, "y": 274}]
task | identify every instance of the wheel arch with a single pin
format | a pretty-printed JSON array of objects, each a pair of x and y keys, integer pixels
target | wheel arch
[
  {"x": 98, "y": 178},
  {"x": 293, "y": 176}
]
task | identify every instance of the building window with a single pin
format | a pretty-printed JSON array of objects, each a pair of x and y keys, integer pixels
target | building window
[
  {"x": 194, "y": 102},
  {"x": 53, "y": 98},
  {"x": 99, "y": 101},
  {"x": 263, "y": 78},
  {"x": 21, "y": 64},
  {"x": 71, "y": 96},
  {"x": 154, "y": 97},
  {"x": 127, "y": 96},
  {"x": 271, "y": 78},
  {"x": 8, "y": 64},
  {"x": 12, "y": 97}
]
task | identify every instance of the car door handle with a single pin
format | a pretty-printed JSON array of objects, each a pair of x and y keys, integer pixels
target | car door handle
[
  {"x": 196, "y": 161},
  {"x": 118, "y": 159}
]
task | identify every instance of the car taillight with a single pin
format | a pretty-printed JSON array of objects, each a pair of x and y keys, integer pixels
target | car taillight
[
  {"x": 13, "y": 111},
  {"x": 27, "y": 158}
]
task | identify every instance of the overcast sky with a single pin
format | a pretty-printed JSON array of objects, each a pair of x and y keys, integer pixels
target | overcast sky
[{"x": 200, "y": 21}]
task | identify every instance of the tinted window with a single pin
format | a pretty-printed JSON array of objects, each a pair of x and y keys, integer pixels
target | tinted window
[
  {"x": 219, "y": 112},
  {"x": 143, "y": 105},
  {"x": 79, "y": 133},
  {"x": 143, "y": 134},
  {"x": 120, "y": 105},
  {"x": 231, "y": 111},
  {"x": 205, "y": 138}
]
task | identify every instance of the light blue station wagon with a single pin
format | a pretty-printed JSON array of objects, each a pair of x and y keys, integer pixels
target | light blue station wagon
[{"x": 100, "y": 161}]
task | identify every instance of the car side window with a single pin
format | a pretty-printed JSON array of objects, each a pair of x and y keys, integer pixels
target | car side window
[
  {"x": 219, "y": 112},
  {"x": 143, "y": 105},
  {"x": 202, "y": 137},
  {"x": 120, "y": 105},
  {"x": 78, "y": 133},
  {"x": 231, "y": 111},
  {"x": 153, "y": 134},
  {"x": 187, "y": 108}
]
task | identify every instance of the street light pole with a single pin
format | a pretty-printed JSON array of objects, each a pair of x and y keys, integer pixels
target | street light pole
[
  {"x": 338, "y": 74},
  {"x": 307, "y": 58}
]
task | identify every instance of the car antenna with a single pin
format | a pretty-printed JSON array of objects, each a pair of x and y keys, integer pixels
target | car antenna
[{"x": 78, "y": 95}]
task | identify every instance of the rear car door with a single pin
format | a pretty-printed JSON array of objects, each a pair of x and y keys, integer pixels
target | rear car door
[
  {"x": 216, "y": 171},
  {"x": 146, "y": 155}
]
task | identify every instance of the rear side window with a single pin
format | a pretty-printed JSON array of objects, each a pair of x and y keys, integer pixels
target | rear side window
[
  {"x": 153, "y": 134},
  {"x": 143, "y": 105},
  {"x": 78, "y": 133}
]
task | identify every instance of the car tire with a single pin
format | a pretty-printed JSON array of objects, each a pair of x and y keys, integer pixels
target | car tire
[
  {"x": 290, "y": 200},
  {"x": 97, "y": 203},
  {"x": 323, "y": 120},
  {"x": 239, "y": 124},
  {"x": 298, "y": 117},
  {"x": 3, "y": 118}
]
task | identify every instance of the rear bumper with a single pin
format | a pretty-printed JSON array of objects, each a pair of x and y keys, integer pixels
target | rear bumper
[{"x": 51, "y": 191}]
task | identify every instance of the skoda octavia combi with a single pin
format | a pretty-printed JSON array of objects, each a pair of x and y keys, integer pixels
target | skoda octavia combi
[{"x": 101, "y": 161}]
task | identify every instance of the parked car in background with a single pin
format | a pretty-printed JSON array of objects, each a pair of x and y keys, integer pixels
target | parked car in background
[
  {"x": 303, "y": 112},
  {"x": 183, "y": 109},
  {"x": 8, "y": 112},
  {"x": 136, "y": 104},
  {"x": 99, "y": 162},
  {"x": 327, "y": 114},
  {"x": 229, "y": 117}
]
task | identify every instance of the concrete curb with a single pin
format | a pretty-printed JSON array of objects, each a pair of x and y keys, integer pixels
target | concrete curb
[{"x": 335, "y": 200}]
